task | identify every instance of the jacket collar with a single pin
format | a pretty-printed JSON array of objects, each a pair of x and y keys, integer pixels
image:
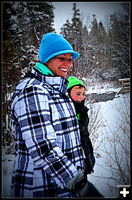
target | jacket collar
[
  {"x": 56, "y": 83},
  {"x": 43, "y": 69}
]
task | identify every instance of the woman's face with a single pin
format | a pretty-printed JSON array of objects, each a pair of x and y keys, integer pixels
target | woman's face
[
  {"x": 60, "y": 65},
  {"x": 77, "y": 93}
]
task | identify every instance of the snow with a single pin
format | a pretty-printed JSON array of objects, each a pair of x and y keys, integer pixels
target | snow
[
  {"x": 111, "y": 115},
  {"x": 7, "y": 167},
  {"x": 99, "y": 88}
]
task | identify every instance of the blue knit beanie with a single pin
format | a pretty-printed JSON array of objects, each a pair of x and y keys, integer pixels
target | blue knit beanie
[{"x": 53, "y": 44}]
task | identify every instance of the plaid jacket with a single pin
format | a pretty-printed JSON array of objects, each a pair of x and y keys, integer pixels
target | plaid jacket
[{"x": 48, "y": 148}]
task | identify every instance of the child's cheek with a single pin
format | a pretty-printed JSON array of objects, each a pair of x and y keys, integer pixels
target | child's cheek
[{"x": 74, "y": 97}]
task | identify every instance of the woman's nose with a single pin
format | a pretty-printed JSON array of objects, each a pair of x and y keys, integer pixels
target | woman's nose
[{"x": 68, "y": 62}]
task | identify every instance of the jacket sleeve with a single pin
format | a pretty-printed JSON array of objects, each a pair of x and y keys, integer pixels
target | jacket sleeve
[{"x": 33, "y": 112}]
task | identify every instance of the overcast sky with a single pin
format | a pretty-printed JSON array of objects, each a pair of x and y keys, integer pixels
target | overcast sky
[{"x": 102, "y": 10}]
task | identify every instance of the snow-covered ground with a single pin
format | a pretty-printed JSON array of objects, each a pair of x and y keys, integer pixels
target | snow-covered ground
[
  {"x": 7, "y": 167},
  {"x": 112, "y": 115},
  {"x": 112, "y": 146}
]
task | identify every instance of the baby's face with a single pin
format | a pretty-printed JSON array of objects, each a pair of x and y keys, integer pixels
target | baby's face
[{"x": 78, "y": 93}]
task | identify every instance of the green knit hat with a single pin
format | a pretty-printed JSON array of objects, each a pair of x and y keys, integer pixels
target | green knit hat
[{"x": 73, "y": 81}]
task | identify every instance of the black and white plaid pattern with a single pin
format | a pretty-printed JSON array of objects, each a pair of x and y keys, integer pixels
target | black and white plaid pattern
[{"x": 48, "y": 148}]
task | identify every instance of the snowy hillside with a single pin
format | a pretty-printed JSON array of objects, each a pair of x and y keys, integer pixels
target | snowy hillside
[{"x": 108, "y": 137}]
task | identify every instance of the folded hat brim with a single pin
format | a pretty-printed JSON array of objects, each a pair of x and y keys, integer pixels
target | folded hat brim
[{"x": 75, "y": 55}]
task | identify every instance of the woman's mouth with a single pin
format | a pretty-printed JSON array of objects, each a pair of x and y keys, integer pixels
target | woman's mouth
[{"x": 64, "y": 70}]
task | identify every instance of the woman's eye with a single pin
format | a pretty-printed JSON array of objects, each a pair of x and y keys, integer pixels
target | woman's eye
[{"x": 61, "y": 58}]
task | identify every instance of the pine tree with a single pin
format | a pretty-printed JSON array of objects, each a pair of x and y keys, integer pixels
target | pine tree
[
  {"x": 119, "y": 44},
  {"x": 66, "y": 30},
  {"x": 72, "y": 31},
  {"x": 24, "y": 23},
  {"x": 41, "y": 18},
  {"x": 101, "y": 37},
  {"x": 94, "y": 31}
]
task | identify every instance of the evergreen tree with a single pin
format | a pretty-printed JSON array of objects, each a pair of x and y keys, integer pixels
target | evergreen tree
[
  {"x": 73, "y": 33},
  {"x": 94, "y": 31},
  {"x": 98, "y": 43},
  {"x": 41, "y": 18},
  {"x": 101, "y": 37},
  {"x": 119, "y": 43},
  {"x": 66, "y": 30},
  {"x": 24, "y": 23}
]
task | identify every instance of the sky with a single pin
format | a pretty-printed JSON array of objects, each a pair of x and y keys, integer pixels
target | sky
[{"x": 63, "y": 11}]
